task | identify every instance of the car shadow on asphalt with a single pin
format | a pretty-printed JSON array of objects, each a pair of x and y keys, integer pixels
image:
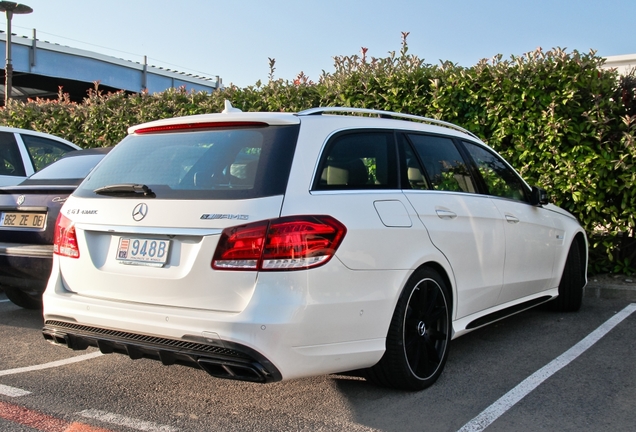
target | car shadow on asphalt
[{"x": 15, "y": 316}]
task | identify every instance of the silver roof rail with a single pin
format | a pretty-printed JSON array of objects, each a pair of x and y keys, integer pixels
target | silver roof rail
[{"x": 385, "y": 114}]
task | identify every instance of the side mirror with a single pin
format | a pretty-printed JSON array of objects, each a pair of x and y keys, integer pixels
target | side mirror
[{"x": 538, "y": 196}]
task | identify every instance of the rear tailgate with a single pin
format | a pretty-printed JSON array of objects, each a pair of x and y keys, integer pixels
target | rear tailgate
[{"x": 111, "y": 263}]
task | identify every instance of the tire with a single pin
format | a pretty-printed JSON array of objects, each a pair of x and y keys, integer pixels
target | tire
[
  {"x": 22, "y": 299},
  {"x": 419, "y": 335},
  {"x": 572, "y": 282}
]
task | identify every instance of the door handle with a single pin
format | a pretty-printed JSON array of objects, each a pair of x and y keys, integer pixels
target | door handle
[
  {"x": 511, "y": 219},
  {"x": 446, "y": 214}
]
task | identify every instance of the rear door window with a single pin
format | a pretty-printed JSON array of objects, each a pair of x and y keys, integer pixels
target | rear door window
[
  {"x": 445, "y": 167},
  {"x": 225, "y": 163},
  {"x": 358, "y": 160}
]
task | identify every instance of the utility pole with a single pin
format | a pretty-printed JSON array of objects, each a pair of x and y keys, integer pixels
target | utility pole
[{"x": 10, "y": 8}]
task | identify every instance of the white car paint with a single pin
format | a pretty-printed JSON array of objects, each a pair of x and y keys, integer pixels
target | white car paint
[{"x": 326, "y": 319}]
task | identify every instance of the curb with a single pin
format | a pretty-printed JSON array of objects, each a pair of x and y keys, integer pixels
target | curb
[{"x": 609, "y": 291}]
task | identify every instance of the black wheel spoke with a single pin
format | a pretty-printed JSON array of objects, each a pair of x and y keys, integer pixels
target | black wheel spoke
[
  {"x": 433, "y": 355},
  {"x": 414, "y": 350},
  {"x": 435, "y": 316},
  {"x": 432, "y": 301},
  {"x": 436, "y": 334},
  {"x": 412, "y": 319},
  {"x": 422, "y": 299}
]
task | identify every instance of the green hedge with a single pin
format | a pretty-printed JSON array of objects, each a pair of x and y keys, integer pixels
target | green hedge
[{"x": 560, "y": 119}]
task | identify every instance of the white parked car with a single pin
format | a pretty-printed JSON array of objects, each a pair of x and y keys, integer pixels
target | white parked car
[
  {"x": 24, "y": 152},
  {"x": 271, "y": 246}
]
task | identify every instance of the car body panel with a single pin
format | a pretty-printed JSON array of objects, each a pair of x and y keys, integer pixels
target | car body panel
[
  {"x": 467, "y": 229},
  {"x": 530, "y": 238}
]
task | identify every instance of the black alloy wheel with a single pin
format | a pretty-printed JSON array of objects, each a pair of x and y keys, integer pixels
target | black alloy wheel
[
  {"x": 419, "y": 337},
  {"x": 572, "y": 283}
]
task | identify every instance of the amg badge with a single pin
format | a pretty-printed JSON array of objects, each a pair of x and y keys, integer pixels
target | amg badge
[{"x": 225, "y": 216}]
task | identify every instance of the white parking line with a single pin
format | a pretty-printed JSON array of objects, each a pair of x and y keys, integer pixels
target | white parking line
[
  {"x": 51, "y": 364},
  {"x": 120, "y": 420},
  {"x": 4, "y": 301},
  {"x": 497, "y": 409},
  {"x": 12, "y": 391}
]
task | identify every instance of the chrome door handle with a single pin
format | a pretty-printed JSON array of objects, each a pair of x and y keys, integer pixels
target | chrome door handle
[
  {"x": 446, "y": 214},
  {"x": 511, "y": 219}
]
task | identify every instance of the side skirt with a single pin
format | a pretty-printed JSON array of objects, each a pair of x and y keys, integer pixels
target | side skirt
[{"x": 503, "y": 313}]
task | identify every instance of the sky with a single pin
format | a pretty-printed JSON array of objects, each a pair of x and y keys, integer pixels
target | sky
[{"x": 234, "y": 39}]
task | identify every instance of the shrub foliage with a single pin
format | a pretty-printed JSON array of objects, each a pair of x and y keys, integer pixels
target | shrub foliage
[{"x": 561, "y": 120}]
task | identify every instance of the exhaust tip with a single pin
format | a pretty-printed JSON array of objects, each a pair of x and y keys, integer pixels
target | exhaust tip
[
  {"x": 242, "y": 372},
  {"x": 56, "y": 338}
]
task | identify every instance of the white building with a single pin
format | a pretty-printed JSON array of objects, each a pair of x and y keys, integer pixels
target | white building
[{"x": 623, "y": 63}]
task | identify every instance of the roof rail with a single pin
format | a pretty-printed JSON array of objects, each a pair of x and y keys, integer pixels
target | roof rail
[{"x": 385, "y": 114}]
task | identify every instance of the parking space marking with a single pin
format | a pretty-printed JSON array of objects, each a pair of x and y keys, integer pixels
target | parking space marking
[
  {"x": 51, "y": 364},
  {"x": 4, "y": 301},
  {"x": 42, "y": 422},
  {"x": 120, "y": 420},
  {"x": 507, "y": 401},
  {"x": 12, "y": 391}
]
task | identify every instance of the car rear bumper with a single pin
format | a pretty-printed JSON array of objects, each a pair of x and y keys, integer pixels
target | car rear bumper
[
  {"x": 25, "y": 266},
  {"x": 219, "y": 359},
  {"x": 290, "y": 329}
]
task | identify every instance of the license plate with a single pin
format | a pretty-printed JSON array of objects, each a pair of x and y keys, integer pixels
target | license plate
[
  {"x": 145, "y": 252},
  {"x": 22, "y": 220}
]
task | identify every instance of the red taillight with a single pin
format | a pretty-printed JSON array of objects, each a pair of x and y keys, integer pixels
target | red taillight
[
  {"x": 240, "y": 247},
  {"x": 288, "y": 243},
  {"x": 65, "y": 240}
]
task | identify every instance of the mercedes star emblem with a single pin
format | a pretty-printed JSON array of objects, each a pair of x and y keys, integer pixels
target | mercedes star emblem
[{"x": 140, "y": 211}]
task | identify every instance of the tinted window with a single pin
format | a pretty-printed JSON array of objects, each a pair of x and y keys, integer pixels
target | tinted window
[
  {"x": 68, "y": 168},
  {"x": 413, "y": 175},
  {"x": 10, "y": 159},
  {"x": 444, "y": 165},
  {"x": 43, "y": 151},
  {"x": 220, "y": 163},
  {"x": 499, "y": 178},
  {"x": 358, "y": 160}
]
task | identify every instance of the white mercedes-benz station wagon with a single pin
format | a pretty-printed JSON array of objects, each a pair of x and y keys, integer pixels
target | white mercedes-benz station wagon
[{"x": 271, "y": 246}]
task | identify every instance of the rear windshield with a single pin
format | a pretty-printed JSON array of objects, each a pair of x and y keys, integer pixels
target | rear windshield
[
  {"x": 227, "y": 163},
  {"x": 68, "y": 168}
]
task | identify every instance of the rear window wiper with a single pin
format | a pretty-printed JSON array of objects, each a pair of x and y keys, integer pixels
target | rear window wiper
[{"x": 126, "y": 189}]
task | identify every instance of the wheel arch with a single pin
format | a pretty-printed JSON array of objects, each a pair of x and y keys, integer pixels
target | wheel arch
[
  {"x": 581, "y": 244},
  {"x": 441, "y": 270}
]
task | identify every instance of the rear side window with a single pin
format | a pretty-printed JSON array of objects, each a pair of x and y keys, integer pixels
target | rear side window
[
  {"x": 10, "y": 160},
  {"x": 444, "y": 165},
  {"x": 43, "y": 151},
  {"x": 358, "y": 160},
  {"x": 228, "y": 163}
]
